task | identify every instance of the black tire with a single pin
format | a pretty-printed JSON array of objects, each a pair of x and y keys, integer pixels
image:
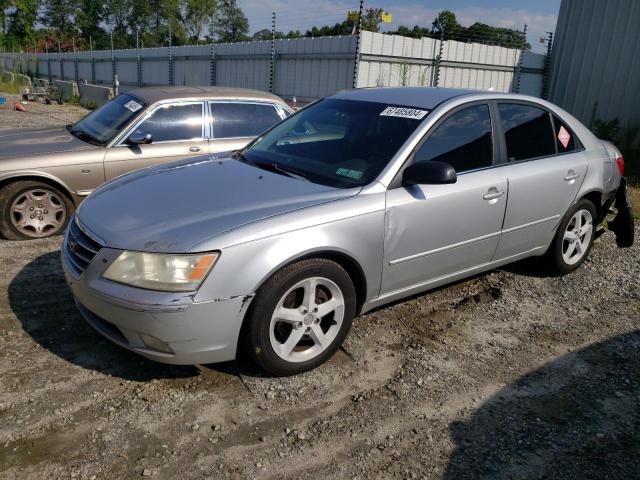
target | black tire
[
  {"x": 554, "y": 256},
  {"x": 256, "y": 332},
  {"x": 8, "y": 195}
]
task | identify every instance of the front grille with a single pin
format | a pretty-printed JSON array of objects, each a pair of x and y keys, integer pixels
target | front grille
[{"x": 79, "y": 248}]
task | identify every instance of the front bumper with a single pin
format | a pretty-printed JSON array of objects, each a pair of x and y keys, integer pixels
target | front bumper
[{"x": 165, "y": 327}]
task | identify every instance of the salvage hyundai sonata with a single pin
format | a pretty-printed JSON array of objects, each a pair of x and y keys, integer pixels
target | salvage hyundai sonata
[{"x": 358, "y": 200}]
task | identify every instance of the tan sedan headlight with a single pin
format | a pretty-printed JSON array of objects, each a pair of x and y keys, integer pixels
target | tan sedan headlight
[{"x": 159, "y": 271}]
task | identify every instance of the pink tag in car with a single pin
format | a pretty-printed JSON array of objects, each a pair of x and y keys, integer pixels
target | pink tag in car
[{"x": 564, "y": 137}]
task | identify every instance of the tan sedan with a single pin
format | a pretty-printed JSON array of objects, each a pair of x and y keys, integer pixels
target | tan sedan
[{"x": 45, "y": 174}]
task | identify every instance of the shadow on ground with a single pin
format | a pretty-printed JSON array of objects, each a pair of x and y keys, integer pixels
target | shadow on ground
[
  {"x": 575, "y": 418},
  {"x": 42, "y": 302}
]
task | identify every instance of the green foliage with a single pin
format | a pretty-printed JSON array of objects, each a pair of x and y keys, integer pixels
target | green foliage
[
  {"x": 230, "y": 22},
  {"x": 446, "y": 26},
  {"x": 21, "y": 23}
]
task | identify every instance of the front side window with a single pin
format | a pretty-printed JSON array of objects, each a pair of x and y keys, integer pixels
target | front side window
[
  {"x": 104, "y": 123},
  {"x": 527, "y": 130},
  {"x": 463, "y": 140},
  {"x": 174, "y": 122},
  {"x": 341, "y": 143},
  {"x": 237, "y": 119}
]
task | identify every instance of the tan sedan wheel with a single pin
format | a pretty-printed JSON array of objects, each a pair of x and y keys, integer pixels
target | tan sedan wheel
[{"x": 33, "y": 210}]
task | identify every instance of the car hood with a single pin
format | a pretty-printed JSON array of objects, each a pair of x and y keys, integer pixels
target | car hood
[
  {"x": 174, "y": 207},
  {"x": 20, "y": 143}
]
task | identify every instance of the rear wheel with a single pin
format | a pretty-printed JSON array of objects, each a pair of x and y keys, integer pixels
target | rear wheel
[
  {"x": 33, "y": 210},
  {"x": 574, "y": 238},
  {"x": 300, "y": 317}
]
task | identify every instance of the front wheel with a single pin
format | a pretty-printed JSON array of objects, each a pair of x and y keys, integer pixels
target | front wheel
[
  {"x": 574, "y": 238},
  {"x": 33, "y": 210},
  {"x": 300, "y": 317}
]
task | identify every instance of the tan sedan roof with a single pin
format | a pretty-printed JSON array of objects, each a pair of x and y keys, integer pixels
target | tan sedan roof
[{"x": 157, "y": 94}]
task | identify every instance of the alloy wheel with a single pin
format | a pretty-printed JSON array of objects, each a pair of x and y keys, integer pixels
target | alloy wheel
[
  {"x": 577, "y": 237},
  {"x": 307, "y": 319}
]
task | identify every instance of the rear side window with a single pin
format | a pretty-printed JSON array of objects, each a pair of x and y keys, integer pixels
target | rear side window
[
  {"x": 463, "y": 140},
  {"x": 564, "y": 138},
  {"x": 237, "y": 119},
  {"x": 527, "y": 130},
  {"x": 173, "y": 123}
]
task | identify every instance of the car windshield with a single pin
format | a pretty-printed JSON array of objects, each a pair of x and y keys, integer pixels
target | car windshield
[
  {"x": 340, "y": 143},
  {"x": 101, "y": 125}
]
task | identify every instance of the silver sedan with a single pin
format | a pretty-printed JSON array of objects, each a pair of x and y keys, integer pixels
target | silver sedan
[{"x": 358, "y": 200}]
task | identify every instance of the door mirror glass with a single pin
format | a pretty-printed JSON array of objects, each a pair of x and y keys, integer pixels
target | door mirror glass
[
  {"x": 429, "y": 173},
  {"x": 140, "y": 137}
]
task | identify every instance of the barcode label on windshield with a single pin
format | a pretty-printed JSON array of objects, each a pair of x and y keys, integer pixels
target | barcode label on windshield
[
  {"x": 404, "y": 113},
  {"x": 133, "y": 106}
]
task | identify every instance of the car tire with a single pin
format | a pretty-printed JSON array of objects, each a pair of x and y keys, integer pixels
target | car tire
[
  {"x": 307, "y": 334},
  {"x": 574, "y": 238},
  {"x": 45, "y": 208}
]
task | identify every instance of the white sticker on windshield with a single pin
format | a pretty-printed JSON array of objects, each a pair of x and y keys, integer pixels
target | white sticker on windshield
[
  {"x": 133, "y": 105},
  {"x": 404, "y": 113}
]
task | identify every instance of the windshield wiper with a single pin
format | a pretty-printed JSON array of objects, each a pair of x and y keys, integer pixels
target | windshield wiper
[{"x": 272, "y": 167}]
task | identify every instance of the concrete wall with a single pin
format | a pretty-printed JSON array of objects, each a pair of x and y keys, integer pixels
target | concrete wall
[
  {"x": 307, "y": 68},
  {"x": 596, "y": 59}
]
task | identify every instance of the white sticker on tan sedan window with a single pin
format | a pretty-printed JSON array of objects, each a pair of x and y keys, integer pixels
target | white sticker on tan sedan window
[
  {"x": 133, "y": 106},
  {"x": 403, "y": 112}
]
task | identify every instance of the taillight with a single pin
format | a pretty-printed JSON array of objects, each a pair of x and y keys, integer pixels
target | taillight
[{"x": 620, "y": 162}]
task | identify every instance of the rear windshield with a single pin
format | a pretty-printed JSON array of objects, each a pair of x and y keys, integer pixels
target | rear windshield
[
  {"x": 341, "y": 143},
  {"x": 103, "y": 124}
]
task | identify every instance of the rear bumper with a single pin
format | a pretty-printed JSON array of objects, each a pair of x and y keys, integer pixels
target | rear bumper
[
  {"x": 623, "y": 224},
  {"x": 167, "y": 328}
]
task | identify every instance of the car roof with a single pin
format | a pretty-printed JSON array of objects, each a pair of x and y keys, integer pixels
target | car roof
[
  {"x": 158, "y": 94},
  {"x": 419, "y": 97}
]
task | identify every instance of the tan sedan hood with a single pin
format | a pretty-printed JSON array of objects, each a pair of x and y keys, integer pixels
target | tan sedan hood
[{"x": 20, "y": 143}]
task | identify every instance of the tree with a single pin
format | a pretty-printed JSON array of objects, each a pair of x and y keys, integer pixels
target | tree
[
  {"x": 230, "y": 22},
  {"x": 446, "y": 24},
  {"x": 22, "y": 19},
  {"x": 197, "y": 15},
  {"x": 89, "y": 16},
  {"x": 118, "y": 12},
  {"x": 58, "y": 14}
]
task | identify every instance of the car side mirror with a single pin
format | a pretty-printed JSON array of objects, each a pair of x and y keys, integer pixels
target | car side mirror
[
  {"x": 140, "y": 138},
  {"x": 429, "y": 172}
]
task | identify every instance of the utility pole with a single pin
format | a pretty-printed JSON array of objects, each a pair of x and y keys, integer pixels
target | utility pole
[
  {"x": 546, "y": 81},
  {"x": 357, "y": 56}
]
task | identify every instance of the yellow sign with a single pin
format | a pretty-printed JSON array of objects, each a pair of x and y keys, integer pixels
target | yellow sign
[{"x": 387, "y": 17}]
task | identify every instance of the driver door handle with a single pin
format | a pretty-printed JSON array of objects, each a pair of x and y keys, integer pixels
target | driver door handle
[{"x": 194, "y": 149}]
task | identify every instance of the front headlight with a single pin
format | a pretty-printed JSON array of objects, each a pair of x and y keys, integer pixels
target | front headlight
[{"x": 159, "y": 271}]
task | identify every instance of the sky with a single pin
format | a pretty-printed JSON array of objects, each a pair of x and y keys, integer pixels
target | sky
[{"x": 539, "y": 15}]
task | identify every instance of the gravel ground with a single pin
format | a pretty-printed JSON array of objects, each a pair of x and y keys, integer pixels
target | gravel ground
[
  {"x": 512, "y": 374},
  {"x": 38, "y": 115}
]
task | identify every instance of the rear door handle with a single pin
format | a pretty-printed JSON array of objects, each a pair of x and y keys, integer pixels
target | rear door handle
[
  {"x": 493, "y": 194},
  {"x": 194, "y": 149},
  {"x": 571, "y": 175}
]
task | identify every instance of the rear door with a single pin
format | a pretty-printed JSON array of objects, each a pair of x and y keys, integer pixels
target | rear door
[
  {"x": 545, "y": 168},
  {"x": 436, "y": 231},
  {"x": 235, "y": 123},
  {"x": 177, "y": 130}
]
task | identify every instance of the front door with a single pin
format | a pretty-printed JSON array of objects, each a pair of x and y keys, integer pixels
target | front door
[
  {"x": 177, "y": 131},
  {"x": 435, "y": 231}
]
